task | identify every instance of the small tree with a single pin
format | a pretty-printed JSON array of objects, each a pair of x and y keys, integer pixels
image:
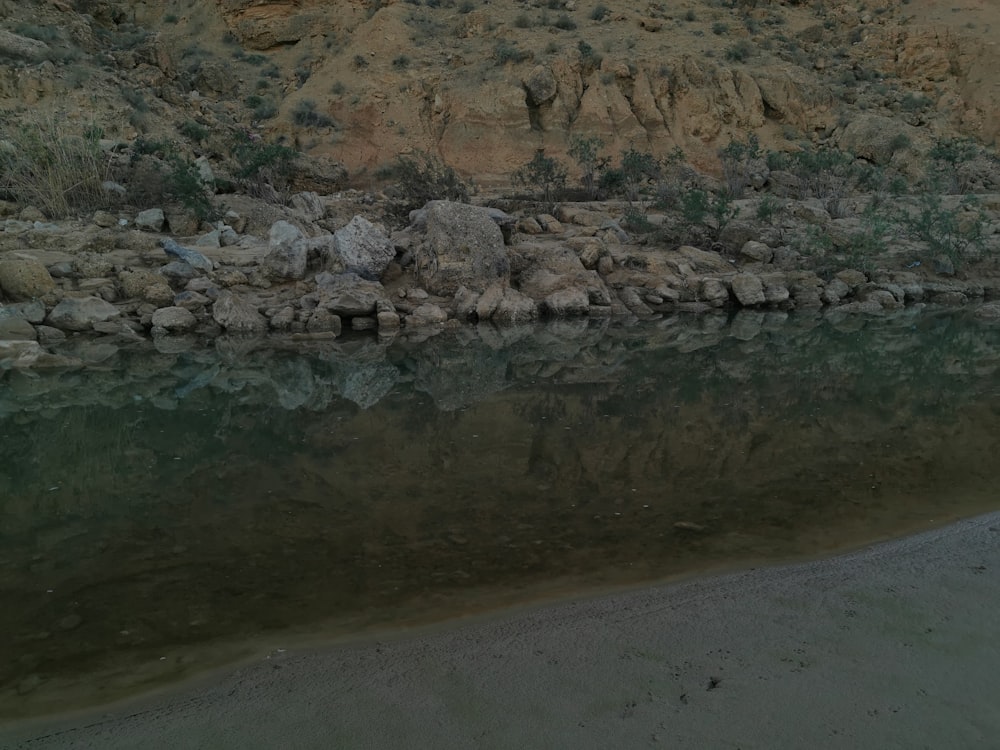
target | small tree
[
  {"x": 584, "y": 151},
  {"x": 738, "y": 159},
  {"x": 543, "y": 173}
]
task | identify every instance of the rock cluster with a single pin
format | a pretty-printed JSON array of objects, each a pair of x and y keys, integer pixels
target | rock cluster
[{"x": 453, "y": 263}]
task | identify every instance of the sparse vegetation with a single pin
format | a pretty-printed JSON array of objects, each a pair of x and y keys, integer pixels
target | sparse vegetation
[
  {"x": 306, "y": 115},
  {"x": 48, "y": 166},
  {"x": 423, "y": 177},
  {"x": 544, "y": 174}
]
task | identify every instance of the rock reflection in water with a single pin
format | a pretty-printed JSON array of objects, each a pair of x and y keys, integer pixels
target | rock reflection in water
[{"x": 162, "y": 502}]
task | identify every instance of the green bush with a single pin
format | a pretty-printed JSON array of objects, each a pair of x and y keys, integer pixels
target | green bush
[
  {"x": 262, "y": 169},
  {"x": 738, "y": 159},
  {"x": 585, "y": 152},
  {"x": 543, "y": 173},
  {"x": 193, "y": 130}
]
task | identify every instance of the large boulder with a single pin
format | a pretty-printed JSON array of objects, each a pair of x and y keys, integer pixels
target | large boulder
[
  {"x": 540, "y": 85},
  {"x": 81, "y": 313},
  {"x": 361, "y": 248},
  {"x": 349, "y": 295},
  {"x": 23, "y": 279},
  {"x": 174, "y": 319},
  {"x": 748, "y": 289},
  {"x": 288, "y": 252},
  {"x": 463, "y": 246},
  {"x": 237, "y": 315}
]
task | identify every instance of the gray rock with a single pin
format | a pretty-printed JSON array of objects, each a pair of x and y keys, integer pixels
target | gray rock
[
  {"x": 190, "y": 300},
  {"x": 174, "y": 319},
  {"x": 237, "y": 315},
  {"x": 151, "y": 220},
  {"x": 134, "y": 282},
  {"x": 178, "y": 272},
  {"x": 114, "y": 189},
  {"x": 567, "y": 302},
  {"x": 463, "y": 246},
  {"x": 282, "y": 320},
  {"x": 465, "y": 303},
  {"x": 17, "y": 329},
  {"x": 990, "y": 311},
  {"x": 33, "y": 312},
  {"x": 515, "y": 308},
  {"x": 25, "y": 48},
  {"x": 191, "y": 257},
  {"x": 713, "y": 292},
  {"x": 19, "y": 354},
  {"x": 348, "y": 294},
  {"x": 49, "y": 335},
  {"x": 81, "y": 313},
  {"x": 288, "y": 253},
  {"x": 308, "y": 205},
  {"x": 748, "y": 290},
  {"x": 388, "y": 321},
  {"x": 425, "y": 315},
  {"x": 323, "y": 321},
  {"x": 756, "y": 252},
  {"x": 24, "y": 279},
  {"x": 362, "y": 248}
]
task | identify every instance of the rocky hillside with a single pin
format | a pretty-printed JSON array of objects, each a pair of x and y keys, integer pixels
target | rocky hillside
[{"x": 486, "y": 84}]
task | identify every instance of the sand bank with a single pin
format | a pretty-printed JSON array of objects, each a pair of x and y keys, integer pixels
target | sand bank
[{"x": 894, "y": 646}]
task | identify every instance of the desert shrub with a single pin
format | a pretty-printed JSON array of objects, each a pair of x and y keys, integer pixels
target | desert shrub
[
  {"x": 565, "y": 23},
  {"x": 739, "y": 52},
  {"x": 305, "y": 115},
  {"x": 949, "y": 167},
  {"x": 590, "y": 58},
  {"x": 738, "y": 159},
  {"x": 545, "y": 174},
  {"x": 955, "y": 232},
  {"x": 599, "y": 12},
  {"x": 193, "y": 130},
  {"x": 423, "y": 177},
  {"x": 522, "y": 21},
  {"x": 505, "y": 52},
  {"x": 768, "y": 209},
  {"x": 826, "y": 173},
  {"x": 401, "y": 62},
  {"x": 719, "y": 28},
  {"x": 261, "y": 168},
  {"x": 58, "y": 171}
]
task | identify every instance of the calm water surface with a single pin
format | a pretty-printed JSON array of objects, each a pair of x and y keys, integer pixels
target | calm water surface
[{"x": 163, "y": 512}]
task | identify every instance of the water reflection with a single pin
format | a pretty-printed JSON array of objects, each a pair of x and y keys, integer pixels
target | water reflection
[{"x": 162, "y": 509}]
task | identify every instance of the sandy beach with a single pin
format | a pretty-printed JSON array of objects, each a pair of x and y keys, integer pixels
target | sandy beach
[{"x": 897, "y": 645}]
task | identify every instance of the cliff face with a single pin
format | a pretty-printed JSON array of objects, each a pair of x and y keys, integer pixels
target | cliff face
[{"x": 486, "y": 85}]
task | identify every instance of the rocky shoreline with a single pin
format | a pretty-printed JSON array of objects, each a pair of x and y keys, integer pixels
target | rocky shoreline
[{"x": 126, "y": 277}]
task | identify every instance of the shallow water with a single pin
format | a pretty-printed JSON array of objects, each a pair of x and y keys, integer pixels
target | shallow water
[{"x": 164, "y": 512}]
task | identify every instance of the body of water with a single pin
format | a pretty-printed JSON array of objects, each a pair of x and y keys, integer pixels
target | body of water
[{"x": 166, "y": 510}]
